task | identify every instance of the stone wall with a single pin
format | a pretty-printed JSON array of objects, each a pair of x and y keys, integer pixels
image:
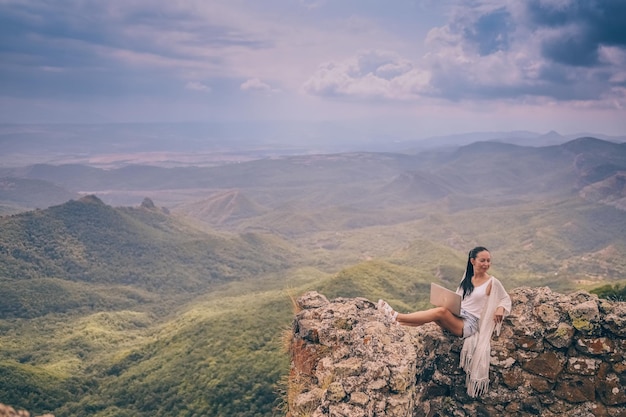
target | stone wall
[{"x": 557, "y": 355}]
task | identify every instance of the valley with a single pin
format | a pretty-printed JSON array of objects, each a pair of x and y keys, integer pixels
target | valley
[{"x": 150, "y": 290}]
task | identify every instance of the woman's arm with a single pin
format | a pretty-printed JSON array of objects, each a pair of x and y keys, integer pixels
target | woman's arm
[
  {"x": 504, "y": 303},
  {"x": 499, "y": 316}
]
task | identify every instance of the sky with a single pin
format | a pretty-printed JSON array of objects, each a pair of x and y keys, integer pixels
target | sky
[{"x": 430, "y": 67}]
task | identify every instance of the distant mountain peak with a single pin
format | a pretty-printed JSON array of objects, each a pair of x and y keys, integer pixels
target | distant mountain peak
[
  {"x": 552, "y": 134},
  {"x": 91, "y": 199},
  {"x": 147, "y": 203},
  {"x": 590, "y": 144}
]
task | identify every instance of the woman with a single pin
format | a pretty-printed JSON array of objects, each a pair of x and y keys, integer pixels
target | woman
[{"x": 483, "y": 296}]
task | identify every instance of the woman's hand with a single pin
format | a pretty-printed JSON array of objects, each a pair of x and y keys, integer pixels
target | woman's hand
[{"x": 499, "y": 316}]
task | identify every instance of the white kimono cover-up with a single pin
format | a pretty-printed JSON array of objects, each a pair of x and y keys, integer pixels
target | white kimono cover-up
[{"x": 476, "y": 351}]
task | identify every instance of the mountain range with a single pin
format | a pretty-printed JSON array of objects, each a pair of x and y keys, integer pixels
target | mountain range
[
  {"x": 366, "y": 180},
  {"x": 138, "y": 290},
  {"x": 570, "y": 194}
]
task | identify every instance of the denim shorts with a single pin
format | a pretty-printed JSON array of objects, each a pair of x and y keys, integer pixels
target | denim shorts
[{"x": 470, "y": 324}]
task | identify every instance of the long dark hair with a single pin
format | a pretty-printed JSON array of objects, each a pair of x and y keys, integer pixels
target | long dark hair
[{"x": 466, "y": 284}]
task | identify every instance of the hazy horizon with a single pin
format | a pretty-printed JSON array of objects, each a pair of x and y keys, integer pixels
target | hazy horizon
[{"x": 110, "y": 145}]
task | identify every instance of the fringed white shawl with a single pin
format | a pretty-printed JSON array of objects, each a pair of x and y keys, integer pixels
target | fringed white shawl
[{"x": 476, "y": 352}]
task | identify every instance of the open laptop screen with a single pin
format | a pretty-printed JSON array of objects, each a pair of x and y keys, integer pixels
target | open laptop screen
[{"x": 443, "y": 297}]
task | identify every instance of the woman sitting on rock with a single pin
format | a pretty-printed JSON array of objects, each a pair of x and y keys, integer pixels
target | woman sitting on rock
[{"x": 483, "y": 296}]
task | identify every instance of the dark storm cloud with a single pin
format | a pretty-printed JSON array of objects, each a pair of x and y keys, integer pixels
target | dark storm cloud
[
  {"x": 584, "y": 27},
  {"x": 491, "y": 31},
  {"x": 553, "y": 81},
  {"x": 574, "y": 49},
  {"x": 563, "y": 50}
]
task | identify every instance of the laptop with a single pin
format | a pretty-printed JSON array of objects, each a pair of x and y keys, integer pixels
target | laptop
[{"x": 443, "y": 297}]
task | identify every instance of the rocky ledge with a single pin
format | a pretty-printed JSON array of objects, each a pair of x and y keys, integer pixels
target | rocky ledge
[
  {"x": 8, "y": 411},
  {"x": 557, "y": 355}
]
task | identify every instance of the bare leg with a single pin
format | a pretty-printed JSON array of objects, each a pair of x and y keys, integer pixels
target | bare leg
[{"x": 440, "y": 315}]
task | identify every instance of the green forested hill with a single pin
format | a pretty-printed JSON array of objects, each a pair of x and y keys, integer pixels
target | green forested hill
[
  {"x": 131, "y": 311},
  {"x": 135, "y": 252}
]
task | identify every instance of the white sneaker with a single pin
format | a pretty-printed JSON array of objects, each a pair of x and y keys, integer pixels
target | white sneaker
[{"x": 386, "y": 308}]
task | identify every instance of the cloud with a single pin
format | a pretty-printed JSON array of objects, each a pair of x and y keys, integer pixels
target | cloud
[
  {"x": 490, "y": 32},
  {"x": 352, "y": 56},
  {"x": 530, "y": 50},
  {"x": 225, "y": 40},
  {"x": 555, "y": 49},
  {"x": 312, "y": 4},
  {"x": 578, "y": 30},
  {"x": 369, "y": 75},
  {"x": 255, "y": 84},
  {"x": 197, "y": 86},
  {"x": 109, "y": 38}
]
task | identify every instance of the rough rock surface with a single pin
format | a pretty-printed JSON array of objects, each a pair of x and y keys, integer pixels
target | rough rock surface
[
  {"x": 557, "y": 355},
  {"x": 7, "y": 411}
]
